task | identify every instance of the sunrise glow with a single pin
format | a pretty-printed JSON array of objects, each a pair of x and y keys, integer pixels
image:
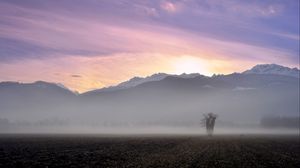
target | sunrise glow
[
  {"x": 189, "y": 64},
  {"x": 107, "y": 42}
]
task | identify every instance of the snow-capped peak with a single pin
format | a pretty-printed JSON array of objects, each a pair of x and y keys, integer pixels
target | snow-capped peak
[{"x": 273, "y": 69}]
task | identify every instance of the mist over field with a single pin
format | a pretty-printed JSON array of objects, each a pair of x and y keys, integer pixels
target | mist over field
[{"x": 175, "y": 104}]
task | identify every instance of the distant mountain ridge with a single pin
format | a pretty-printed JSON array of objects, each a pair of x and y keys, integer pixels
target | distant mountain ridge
[
  {"x": 260, "y": 69},
  {"x": 135, "y": 81},
  {"x": 37, "y": 84}
]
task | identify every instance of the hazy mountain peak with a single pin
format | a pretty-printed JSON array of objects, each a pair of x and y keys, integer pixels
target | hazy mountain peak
[
  {"x": 66, "y": 88},
  {"x": 8, "y": 83},
  {"x": 134, "y": 82},
  {"x": 191, "y": 75},
  {"x": 273, "y": 69},
  {"x": 155, "y": 77},
  {"x": 41, "y": 85},
  {"x": 139, "y": 80},
  {"x": 44, "y": 84}
]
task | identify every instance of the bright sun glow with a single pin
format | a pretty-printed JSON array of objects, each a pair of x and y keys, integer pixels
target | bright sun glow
[{"x": 189, "y": 64}]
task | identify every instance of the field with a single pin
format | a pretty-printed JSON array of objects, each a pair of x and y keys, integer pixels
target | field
[{"x": 149, "y": 151}]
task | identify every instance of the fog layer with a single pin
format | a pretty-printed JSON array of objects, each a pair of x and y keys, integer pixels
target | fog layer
[{"x": 243, "y": 102}]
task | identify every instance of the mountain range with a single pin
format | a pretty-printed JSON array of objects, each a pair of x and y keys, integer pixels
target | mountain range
[
  {"x": 239, "y": 98},
  {"x": 258, "y": 69}
]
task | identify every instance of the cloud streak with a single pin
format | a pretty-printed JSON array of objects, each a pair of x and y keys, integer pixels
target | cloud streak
[{"x": 76, "y": 76}]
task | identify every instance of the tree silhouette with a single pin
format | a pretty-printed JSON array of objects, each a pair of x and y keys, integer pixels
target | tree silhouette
[{"x": 209, "y": 120}]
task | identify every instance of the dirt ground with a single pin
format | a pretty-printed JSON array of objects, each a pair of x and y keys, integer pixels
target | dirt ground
[{"x": 149, "y": 151}]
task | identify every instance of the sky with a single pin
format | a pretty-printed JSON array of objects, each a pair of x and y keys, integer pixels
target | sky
[{"x": 97, "y": 43}]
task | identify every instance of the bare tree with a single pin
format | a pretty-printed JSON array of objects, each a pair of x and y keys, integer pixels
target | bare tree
[{"x": 209, "y": 120}]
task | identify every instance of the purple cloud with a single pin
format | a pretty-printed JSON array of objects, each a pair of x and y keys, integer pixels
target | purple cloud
[{"x": 40, "y": 29}]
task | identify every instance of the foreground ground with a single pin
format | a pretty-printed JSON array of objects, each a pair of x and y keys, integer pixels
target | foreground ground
[{"x": 149, "y": 151}]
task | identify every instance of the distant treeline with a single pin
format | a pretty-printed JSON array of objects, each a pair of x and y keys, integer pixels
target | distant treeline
[{"x": 279, "y": 121}]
